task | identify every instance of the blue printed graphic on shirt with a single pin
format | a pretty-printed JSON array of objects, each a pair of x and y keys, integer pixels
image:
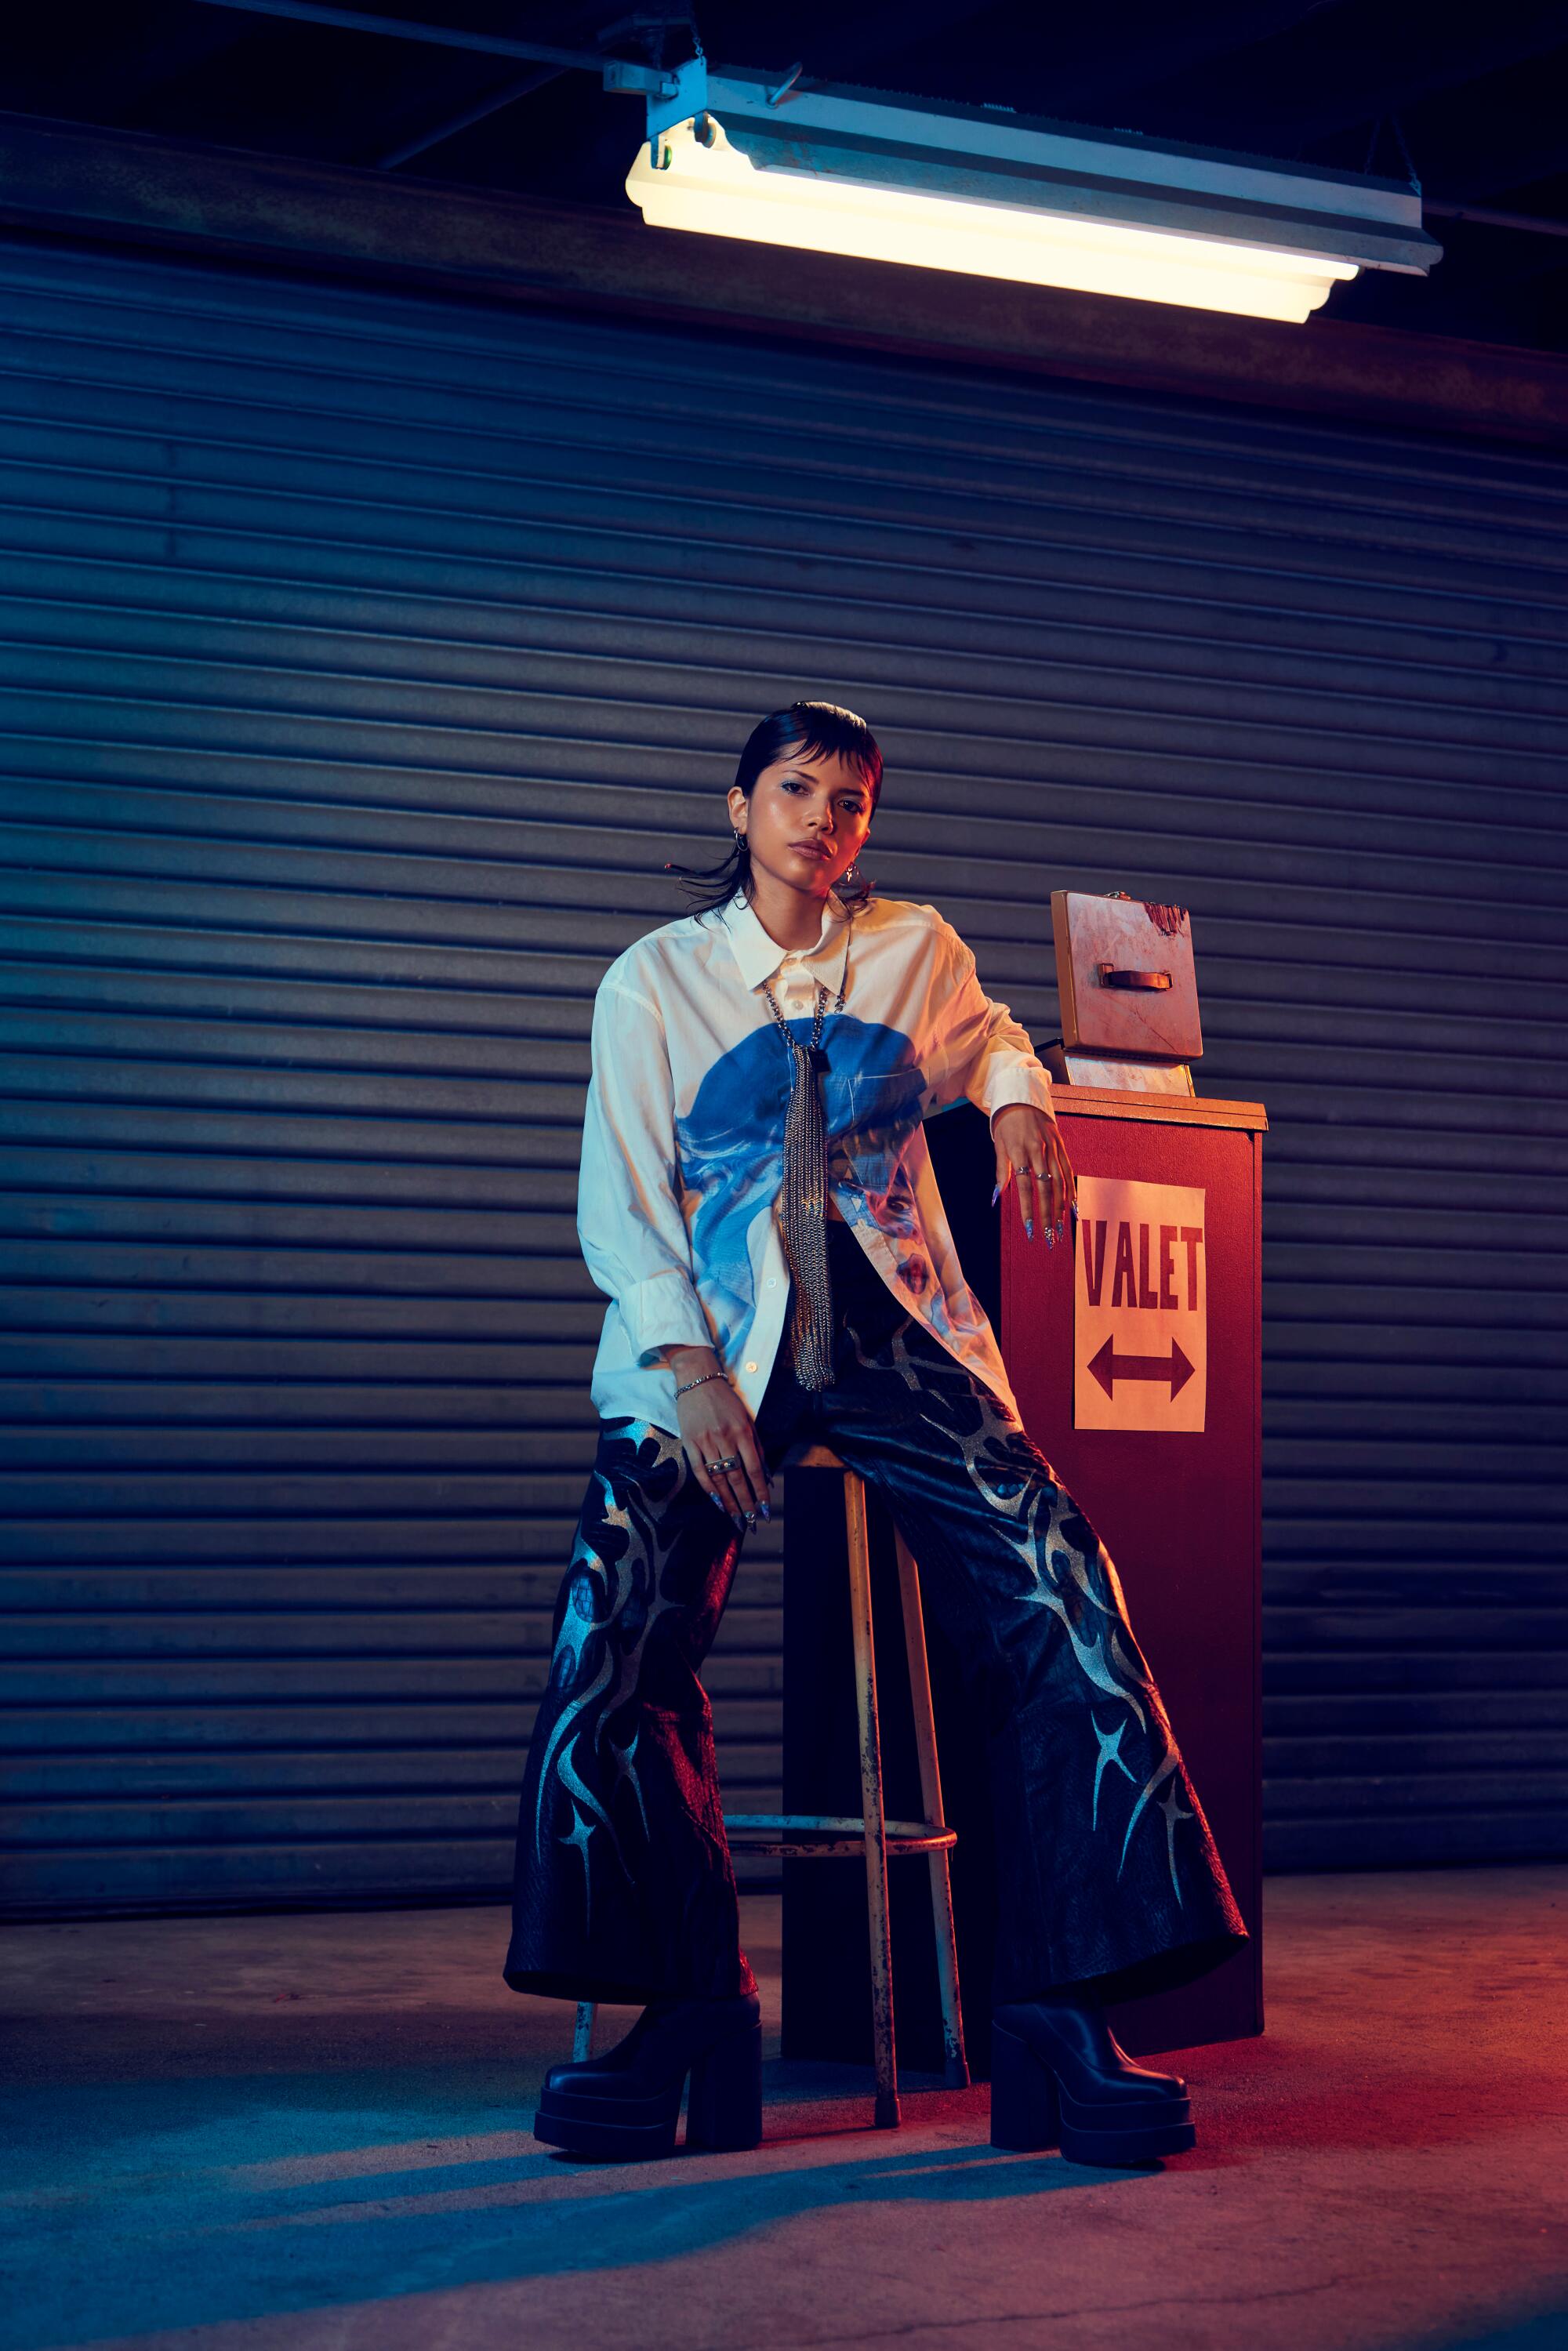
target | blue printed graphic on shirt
[{"x": 730, "y": 1146}]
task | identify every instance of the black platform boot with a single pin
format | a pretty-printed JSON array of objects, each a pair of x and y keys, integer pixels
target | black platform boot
[
  {"x": 1060, "y": 2078},
  {"x": 623, "y": 2106}
]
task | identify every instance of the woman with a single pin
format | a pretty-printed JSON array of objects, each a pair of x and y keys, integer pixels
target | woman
[{"x": 757, "y": 1202}]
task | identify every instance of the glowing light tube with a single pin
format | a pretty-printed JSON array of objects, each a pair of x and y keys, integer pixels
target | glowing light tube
[{"x": 719, "y": 191}]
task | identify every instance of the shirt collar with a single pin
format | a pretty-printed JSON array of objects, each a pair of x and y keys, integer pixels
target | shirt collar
[{"x": 760, "y": 955}]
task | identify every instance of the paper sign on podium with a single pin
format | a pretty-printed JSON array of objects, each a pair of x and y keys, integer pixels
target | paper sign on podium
[{"x": 1140, "y": 1307}]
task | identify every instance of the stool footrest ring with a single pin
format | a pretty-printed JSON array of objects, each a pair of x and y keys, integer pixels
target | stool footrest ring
[{"x": 809, "y": 1835}]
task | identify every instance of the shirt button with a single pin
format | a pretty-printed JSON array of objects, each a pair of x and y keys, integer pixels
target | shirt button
[
  {"x": 773, "y": 1281},
  {"x": 751, "y": 1367}
]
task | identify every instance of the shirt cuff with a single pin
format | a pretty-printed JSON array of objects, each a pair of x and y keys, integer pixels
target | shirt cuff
[
  {"x": 663, "y": 1312},
  {"x": 1010, "y": 1087}
]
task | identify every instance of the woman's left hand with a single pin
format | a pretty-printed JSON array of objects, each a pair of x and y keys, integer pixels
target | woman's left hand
[{"x": 1029, "y": 1147}]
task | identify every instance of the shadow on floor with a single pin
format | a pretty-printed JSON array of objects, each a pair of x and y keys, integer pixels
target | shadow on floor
[
  {"x": 319, "y": 2130},
  {"x": 177, "y": 2243}
]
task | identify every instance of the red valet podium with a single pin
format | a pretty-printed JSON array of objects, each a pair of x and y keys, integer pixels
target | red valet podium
[{"x": 1153, "y": 1325}]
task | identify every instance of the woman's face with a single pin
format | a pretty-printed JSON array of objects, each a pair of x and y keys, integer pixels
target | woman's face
[{"x": 806, "y": 822}]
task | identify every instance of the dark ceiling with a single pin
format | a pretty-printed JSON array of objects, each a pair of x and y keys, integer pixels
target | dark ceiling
[{"x": 1475, "y": 98}]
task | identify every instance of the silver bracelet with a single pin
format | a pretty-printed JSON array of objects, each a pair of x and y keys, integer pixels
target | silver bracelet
[{"x": 698, "y": 1382}]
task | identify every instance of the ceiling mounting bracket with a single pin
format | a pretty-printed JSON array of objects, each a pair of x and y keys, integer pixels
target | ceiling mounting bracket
[{"x": 675, "y": 93}]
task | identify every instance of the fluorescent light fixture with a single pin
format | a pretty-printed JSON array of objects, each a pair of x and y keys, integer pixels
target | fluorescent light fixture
[{"x": 989, "y": 194}]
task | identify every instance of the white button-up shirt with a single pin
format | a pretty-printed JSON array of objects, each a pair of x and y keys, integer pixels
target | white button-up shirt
[{"x": 682, "y": 1145}]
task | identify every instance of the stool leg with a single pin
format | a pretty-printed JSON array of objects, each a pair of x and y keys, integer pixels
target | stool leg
[
  {"x": 871, "y": 1807},
  {"x": 582, "y": 2039},
  {"x": 958, "y": 2067}
]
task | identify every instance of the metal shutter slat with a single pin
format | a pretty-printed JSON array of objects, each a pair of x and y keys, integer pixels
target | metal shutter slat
[{"x": 368, "y": 654}]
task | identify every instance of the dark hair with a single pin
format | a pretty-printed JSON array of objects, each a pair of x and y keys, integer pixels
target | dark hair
[{"x": 818, "y": 728}]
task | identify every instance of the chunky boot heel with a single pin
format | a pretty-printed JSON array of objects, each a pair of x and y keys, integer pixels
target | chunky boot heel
[
  {"x": 1061, "y": 2078},
  {"x": 724, "y": 2109},
  {"x": 1023, "y": 2095},
  {"x": 624, "y": 2107}
]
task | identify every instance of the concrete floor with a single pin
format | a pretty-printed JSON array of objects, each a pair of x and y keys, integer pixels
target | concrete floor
[{"x": 312, "y": 2134}]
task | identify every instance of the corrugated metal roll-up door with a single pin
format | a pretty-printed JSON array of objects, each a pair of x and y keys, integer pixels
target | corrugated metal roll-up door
[{"x": 364, "y": 657}]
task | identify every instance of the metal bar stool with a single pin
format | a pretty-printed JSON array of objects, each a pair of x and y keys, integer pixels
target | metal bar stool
[{"x": 831, "y": 1835}]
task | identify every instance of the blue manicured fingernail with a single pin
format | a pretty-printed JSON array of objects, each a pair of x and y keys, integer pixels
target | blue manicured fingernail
[
  {"x": 1050, "y": 1237},
  {"x": 766, "y": 1511},
  {"x": 996, "y": 1195},
  {"x": 717, "y": 1503},
  {"x": 1029, "y": 1228}
]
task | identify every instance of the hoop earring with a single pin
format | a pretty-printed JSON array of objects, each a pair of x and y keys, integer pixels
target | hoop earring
[{"x": 740, "y": 836}]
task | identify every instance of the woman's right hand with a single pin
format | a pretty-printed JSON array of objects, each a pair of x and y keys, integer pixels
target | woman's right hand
[{"x": 714, "y": 1426}]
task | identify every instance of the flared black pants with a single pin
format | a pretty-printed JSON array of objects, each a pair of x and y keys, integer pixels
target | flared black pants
[{"x": 1107, "y": 1873}]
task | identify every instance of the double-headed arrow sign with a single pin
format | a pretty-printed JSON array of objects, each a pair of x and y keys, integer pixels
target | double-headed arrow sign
[{"x": 1108, "y": 1367}]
